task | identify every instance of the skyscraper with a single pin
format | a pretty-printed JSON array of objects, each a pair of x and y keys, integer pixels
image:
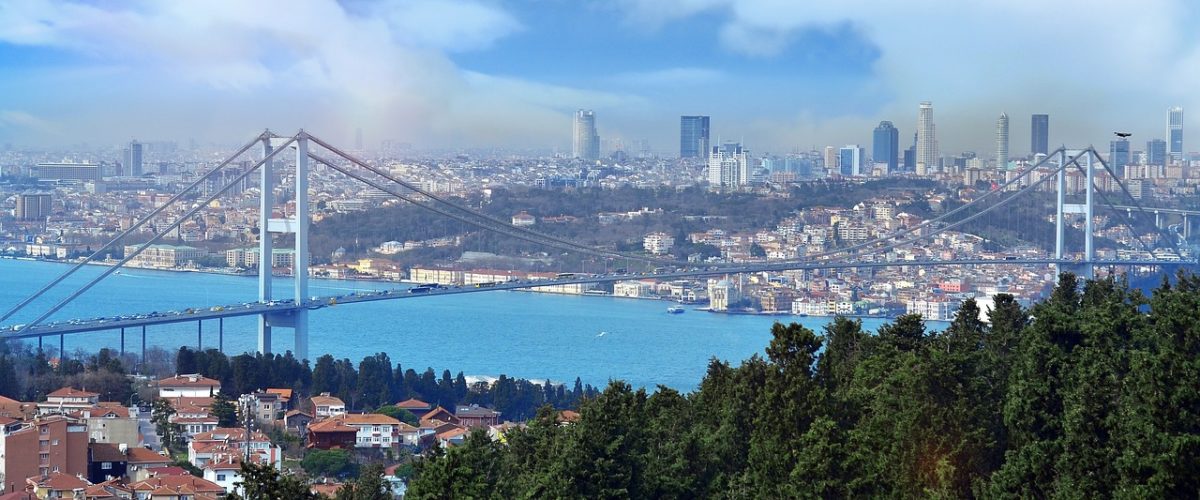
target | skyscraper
[
  {"x": 850, "y": 159},
  {"x": 1156, "y": 152},
  {"x": 693, "y": 136},
  {"x": 1175, "y": 134},
  {"x": 585, "y": 142},
  {"x": 830, "y": 159},
  {"x": 885, "y": 148},
  {"x": 133, "y": 159},
  {"x": 926, "y": 140},
  {"x": 1002, "y": 142},
  {"x": 728, "y": 166},
  {"x": 1118, "y": 156},
  {"x": 1039, "y": 136}
]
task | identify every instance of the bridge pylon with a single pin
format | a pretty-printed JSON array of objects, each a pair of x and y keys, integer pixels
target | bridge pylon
[
  {"x": 1086, "y": 267},
  {"x": 298, "y": 225}
]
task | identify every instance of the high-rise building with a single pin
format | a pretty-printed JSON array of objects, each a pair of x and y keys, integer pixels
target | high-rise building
[
  {"x": 693, "y": 136},
  {"x": 585, "y": 143},
  {"x": 728, "y": 166},
  {"x": 133, "y": 159},
  {"x": 926, "y": 140},
  {"x": 830, "y": 159},
  {"x": 1118, "y": 156},
  {"x": 1175, "y": 134},
  {"x": 850, "y": 159},
  {"x": 32, "y": 206},
  {"x": 1039, "y": 136},
  {"x": 885, "y": 149},
  {"x": 1156, "y": 152},
  {"x": 1002, "y": 142}
]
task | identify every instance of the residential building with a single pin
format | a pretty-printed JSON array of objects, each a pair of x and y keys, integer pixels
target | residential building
[
  {"x": 885, "y": 147},
  {"x": 370, "y": 430},
  {"x": 477, "y": 416},
  {"x": 265, "y": 406},
  {"x": 109, "y": 422},
  {"x": 523, "y": 219},
  {"x": 188, "y": 386},
  {"x": 728, "y": 166},
  {"x": 42, "y": 447},
  {"x": 214, "y": 445},
  {"x": 33, "y": 206},
  {"x": 936, "y": 309},
  {"x": 186, "y": 487},
  {"x": 324, "y": 406},
  {"x": 658, "y": 243},
  {"x": 68, "y": 399},
  {"x": 693, "y": 136},
  {"x": 1039, "y": 140},
  {"x": 119, "y": 460}
]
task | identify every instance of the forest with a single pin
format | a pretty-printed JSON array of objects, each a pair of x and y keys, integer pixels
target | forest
[
  {"x": 1092, "y": 393},
  {"x": 375, "y": 382}
]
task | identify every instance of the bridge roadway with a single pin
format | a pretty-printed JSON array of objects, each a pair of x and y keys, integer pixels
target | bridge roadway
[{"x": 286, "y": 306}]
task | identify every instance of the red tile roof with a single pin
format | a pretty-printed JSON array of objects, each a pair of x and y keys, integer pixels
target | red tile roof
[
  {"x": 71, "y": 392},
  {"x": 191, "y": 380},
  {"x": 413, "y": 404}
]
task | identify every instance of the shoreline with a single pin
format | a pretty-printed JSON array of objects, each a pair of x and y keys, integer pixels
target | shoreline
[{"x": 232, "y": 272}]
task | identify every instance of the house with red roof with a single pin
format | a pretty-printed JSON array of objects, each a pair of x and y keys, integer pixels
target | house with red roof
[{"x": 192, "y": 385}]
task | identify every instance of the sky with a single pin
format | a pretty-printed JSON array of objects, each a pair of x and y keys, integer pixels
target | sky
[{"x": 779, "y": 75}]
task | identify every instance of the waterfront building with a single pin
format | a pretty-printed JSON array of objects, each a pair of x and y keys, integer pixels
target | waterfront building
[
  {"x": 693, "y": 136},
  {"x": 165, "y": 256},
  {"x": 585, "y": 141},
  {"x": 927, "y": 148},
  {"x": 1039, "y": 135},
  {"x": 885, "y": 147}
]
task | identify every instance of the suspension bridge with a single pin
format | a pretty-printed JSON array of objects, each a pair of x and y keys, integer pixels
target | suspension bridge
[{"x": 273, "y": 314}]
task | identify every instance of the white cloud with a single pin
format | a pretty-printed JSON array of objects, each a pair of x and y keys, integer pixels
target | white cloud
[
  {"x": 669, "y": 76},
  {"x": 20, "y": 120},
  {"x": 313, "y": 63}
]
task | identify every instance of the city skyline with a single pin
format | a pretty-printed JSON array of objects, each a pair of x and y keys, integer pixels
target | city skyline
[{"x": 468, "y": 74}]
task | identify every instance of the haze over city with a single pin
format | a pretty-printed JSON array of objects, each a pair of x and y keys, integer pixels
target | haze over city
[{"x": 778, "y": 75}]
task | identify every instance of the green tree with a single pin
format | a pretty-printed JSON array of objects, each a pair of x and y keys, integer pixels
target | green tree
[
  {"x": 399, "y": 414},
  {"x": 225, "y": 411},
  {"x": 331, "y": 463},
  {"x": 264, "y": 481}
]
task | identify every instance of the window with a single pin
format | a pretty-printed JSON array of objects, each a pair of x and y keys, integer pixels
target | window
[
  {"x": 106, "y": 465},
  {"x": 54, "y": 443},
  {"x": 44, "y": 457},
  {"x": 55, "y": 469},
  {"x": 220, "y": 477},
  {"x": 44, "y": 429}
]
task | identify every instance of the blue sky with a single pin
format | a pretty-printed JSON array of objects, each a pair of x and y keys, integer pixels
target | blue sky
[{"x": 783, "y": 74}]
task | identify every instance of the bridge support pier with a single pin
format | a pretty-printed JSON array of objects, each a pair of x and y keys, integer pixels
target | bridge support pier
[
  {"x": 199, "y": 335},
  {"x": 265, "y": 256},
  {"x": 122, "y": 342},
  {"x": 143, "y": 348},
  {"x": 221, "y": 335},
  {"x": 62, "y": 349}
]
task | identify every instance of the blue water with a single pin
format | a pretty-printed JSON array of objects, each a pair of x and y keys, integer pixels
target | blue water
[{"x": 521, "y": 334}]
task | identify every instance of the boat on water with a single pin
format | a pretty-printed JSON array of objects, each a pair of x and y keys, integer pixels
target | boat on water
[{"x": 675, "y": 310}]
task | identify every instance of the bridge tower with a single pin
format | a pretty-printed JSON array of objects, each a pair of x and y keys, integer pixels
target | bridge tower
[
  {"x": 1086, "y": 267},
  {"x": 297, "y": 225}
]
